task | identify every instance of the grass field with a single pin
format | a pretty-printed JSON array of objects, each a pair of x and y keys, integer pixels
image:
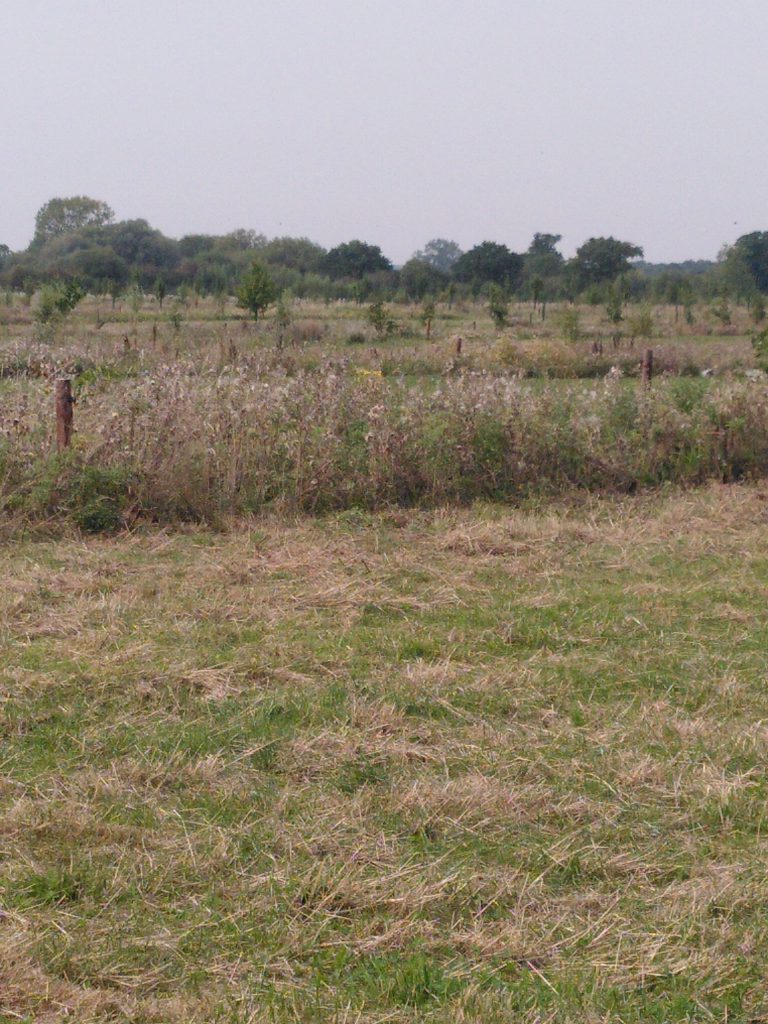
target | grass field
[{"x": 476, "y": 765}]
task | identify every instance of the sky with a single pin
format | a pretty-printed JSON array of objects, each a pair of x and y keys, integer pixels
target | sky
[{"x": 394, "y": 122}]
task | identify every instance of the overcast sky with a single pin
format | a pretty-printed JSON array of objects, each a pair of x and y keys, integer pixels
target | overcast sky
[{"x": 395, "y": 121}]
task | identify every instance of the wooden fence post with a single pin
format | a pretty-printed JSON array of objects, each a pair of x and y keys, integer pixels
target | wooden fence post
[
  {"x": 646, "y": 367},
  {"x": 64, "y": 403}
]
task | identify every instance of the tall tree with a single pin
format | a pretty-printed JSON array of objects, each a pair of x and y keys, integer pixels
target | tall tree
[
  {"x": 603, "y": 259},
  {"x": 542, "y": 258},
  {"x": 60, "y": 216},
  {"x": 489, "y": 261},
  {"x": 749, "y": 253},
  {"x": 439, "y": 253},
  {"x": 354, "y": 259}
]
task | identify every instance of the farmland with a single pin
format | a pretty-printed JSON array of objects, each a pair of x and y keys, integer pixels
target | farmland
[{"x": 348, "y": 677}]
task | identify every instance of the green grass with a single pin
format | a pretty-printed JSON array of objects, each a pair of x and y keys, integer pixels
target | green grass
[{"x": 484, "y": 766}]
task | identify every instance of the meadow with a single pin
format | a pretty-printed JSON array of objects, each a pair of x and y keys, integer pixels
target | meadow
[{"x": 360, "y": 679}]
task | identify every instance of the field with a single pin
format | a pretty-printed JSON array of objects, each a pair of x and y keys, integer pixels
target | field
[{"x": 421, "y": 756}]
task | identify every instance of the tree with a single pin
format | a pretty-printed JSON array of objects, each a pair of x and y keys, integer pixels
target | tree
[
  {"x": 488, "y": 262},
  {"x": 603, "y": 259},
  {"x": 354, "y": 259},
  {"x": 293, "y": 253},
  {"x": 61, "y": 216},
  {"x": 420, "y": 278},
  {"x": 541, "y": 258},
  {"x": 498, "y": 305},
  {"x": 749, "y": 255},
  {"x": 439, "y": 253},
  {"x": 160, "y": 290},
  {"x": 382, "y": 321},
  {"x": 5, "y": 252},
  {"x": 256, "y": 290}
]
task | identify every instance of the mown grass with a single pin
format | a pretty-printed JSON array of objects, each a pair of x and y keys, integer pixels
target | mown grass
[{"x": 481, "y": 765}]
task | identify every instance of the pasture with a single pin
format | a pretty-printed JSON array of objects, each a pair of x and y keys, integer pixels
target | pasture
[{"x": 360, "y": 679}]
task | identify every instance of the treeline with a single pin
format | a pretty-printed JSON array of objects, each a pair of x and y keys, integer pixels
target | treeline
[{"x": 78, "y": 239}]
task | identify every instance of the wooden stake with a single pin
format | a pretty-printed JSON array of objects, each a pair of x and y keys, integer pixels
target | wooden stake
[
  {"x": 64, "y": 403},
  {"x": 646, "y": 367}
]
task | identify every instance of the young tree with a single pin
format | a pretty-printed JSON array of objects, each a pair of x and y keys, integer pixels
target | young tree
[
  {"x": 160, "y": 290},
  {"x": 256, "y": 290},
  {"x": 381, "y": 320},
  {"x": 498, "y": 306}
]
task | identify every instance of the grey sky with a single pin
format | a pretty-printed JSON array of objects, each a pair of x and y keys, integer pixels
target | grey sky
[{"x": 393, "y": 121}]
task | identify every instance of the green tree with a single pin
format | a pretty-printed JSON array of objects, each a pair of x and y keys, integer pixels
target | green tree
[
  {"x": 160, "y": 290},
  {"x": 381, "y": 320},
  {"x": 542, "y": 258},
  {"x": 498, "y": 305},
  {"x": 489, "y": 262},
  {"x": 61, "y": 216},
  {"x": 293, "y": 253},
  {"x": 747, "y": 258},
  {"x": 603, "y": 259},
  {"x": 256, "y": 290},
  {"x": 439, "y": 253},
  {"x": 420, "y": 278},
  {"x": 354, "y": 259}
]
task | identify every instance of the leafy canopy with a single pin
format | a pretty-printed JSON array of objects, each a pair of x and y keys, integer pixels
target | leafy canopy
[
  {"x": 603, "y": 259},
  {"x": 256, "y": 290},
  {"x": 60, "y": 216},
  {"x": 489, "y": 262}
]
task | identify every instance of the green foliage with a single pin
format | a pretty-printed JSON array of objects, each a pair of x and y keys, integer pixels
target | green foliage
[
  {"x": 760, "y": 348},
  {"x": 63, "y": 216},
  {"x": 750, "y": 252},
  {"x": 542, "y": 259},
  {"x": 256, "y": 290},
  {"x": 298, "y": 254},
  {"x": 98, "y": 497},
  {"x": 641, "y": 324},
  {"x": 603, "y": 259},
  {"x": 721, "y": 310},
  {"x": 489, "y": 262},
  {"x": 160, "y": 290},
  {"x": 176, "y": 316},
  {"x": 427, "y": 314},
  {"x": 57, "y": 301},
  {"x": 354, "y": 260},
  {"x": 420, "y": 278},
  {"x": 498, "y": 306},
  {"x": 757, "y": 308},
  {"x": 439, "y": 253},
  {"x": 382, "y": 321},
  {"x": 614, "y": 306},
  {"x": 570, "y": 324}
]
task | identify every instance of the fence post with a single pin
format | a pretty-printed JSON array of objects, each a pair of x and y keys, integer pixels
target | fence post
[
  {"x": 646, "y": 367},
  {"x": 64, "y": 403}
]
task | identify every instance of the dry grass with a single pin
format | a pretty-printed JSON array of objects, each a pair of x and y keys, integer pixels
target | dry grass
[{"x": 481, "y": 765}]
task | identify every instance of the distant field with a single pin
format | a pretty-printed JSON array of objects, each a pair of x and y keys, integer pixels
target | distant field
[
  {"x": 194, "y": 413},
  {"x": 483, "y": 766}
]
